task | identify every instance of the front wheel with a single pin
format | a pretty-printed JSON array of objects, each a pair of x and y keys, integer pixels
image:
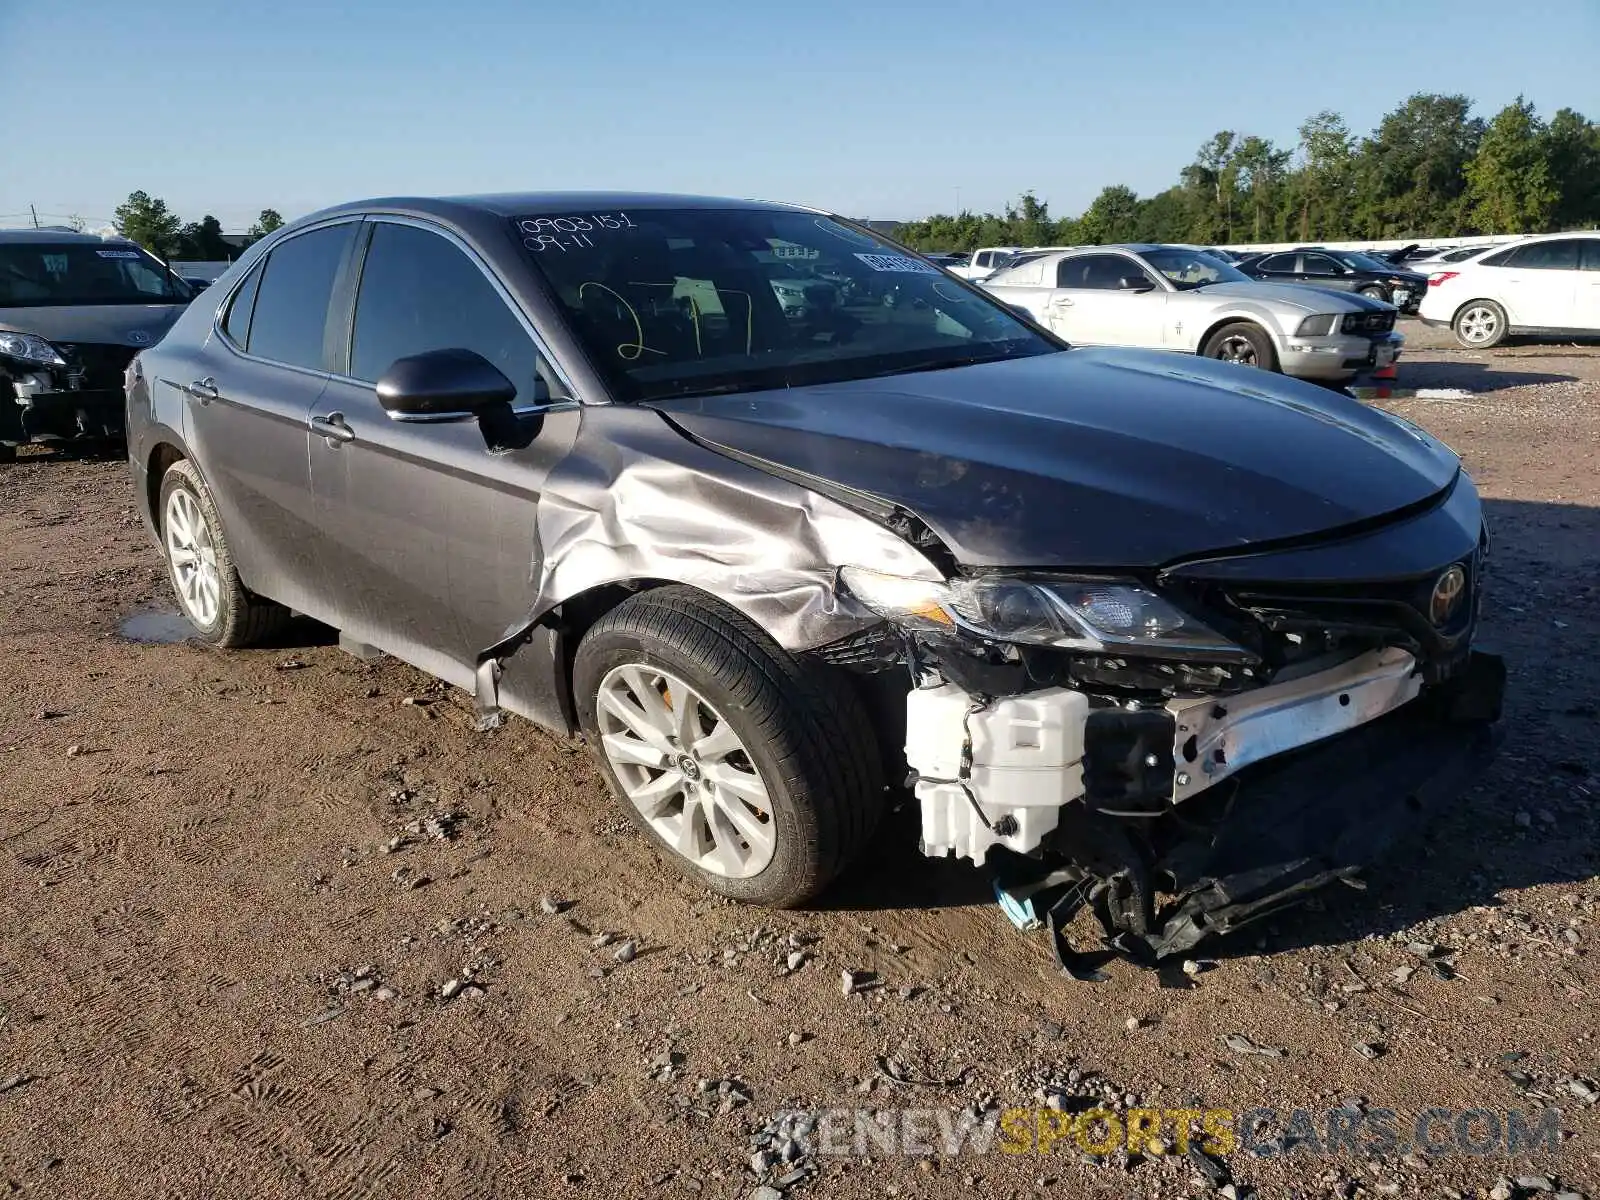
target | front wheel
[
  {"x": 756, "y": 774},
  {"x": 219, "y": 607},
  {"x": 1480, "y": 325},
  {"x": 1375, "y": 293},
  {"x": 1242, "y": 343}
]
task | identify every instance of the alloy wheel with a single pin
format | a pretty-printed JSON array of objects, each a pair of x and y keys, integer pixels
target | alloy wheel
[
  {"x": 682, "y": 765},
  {"x": 1479, "y": 324},
  {"x": 192, "y": 550},
  {"x": 1237, "y": 349}
]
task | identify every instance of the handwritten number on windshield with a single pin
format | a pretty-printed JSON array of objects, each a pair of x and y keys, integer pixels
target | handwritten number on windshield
[{"x": 569, "y": 233}]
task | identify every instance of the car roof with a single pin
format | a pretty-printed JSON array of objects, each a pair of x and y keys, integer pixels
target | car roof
[
  {"x": 523, "y": 204},
  {"x": 58, "y": 236}
]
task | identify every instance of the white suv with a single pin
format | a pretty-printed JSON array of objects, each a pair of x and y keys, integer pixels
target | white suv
[{"x": 1540, "y": 285}]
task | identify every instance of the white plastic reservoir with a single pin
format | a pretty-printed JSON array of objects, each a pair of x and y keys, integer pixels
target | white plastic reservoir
[{"x": 1027, "y": 761}]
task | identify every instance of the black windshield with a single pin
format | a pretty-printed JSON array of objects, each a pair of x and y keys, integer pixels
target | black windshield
[
  {"x": 672, "y": 302},
  {"x": 59, "y": 273}
]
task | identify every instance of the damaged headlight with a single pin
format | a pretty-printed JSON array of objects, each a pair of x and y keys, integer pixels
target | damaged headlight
[
  {"x": 30, "y": 349},
  {"x": 1070, "y": 614}
]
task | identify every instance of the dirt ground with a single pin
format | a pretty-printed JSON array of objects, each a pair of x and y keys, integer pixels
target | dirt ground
[{"x": 272, "y": 923}]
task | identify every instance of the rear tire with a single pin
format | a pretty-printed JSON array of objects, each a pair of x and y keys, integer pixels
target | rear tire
[
  {"x": 1480, "y": 324},
  {"x": 223, "y": 612},
  {"x": 670, "y": 672},
  {"x": 1242, "y": 343}
]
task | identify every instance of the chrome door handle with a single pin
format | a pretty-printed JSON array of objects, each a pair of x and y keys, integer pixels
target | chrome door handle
[
  {"x": 333, "y": 427},
  {"x": 1061, "y": 302},
  {"x": 203, "y": 390}
]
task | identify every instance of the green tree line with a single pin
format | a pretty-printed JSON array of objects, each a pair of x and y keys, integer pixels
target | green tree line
[
  {"x": 1430, "y": 169},
  {"x": 146, "y": 219}
]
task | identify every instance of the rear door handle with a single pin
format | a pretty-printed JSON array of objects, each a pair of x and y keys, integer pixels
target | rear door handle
[
  {"x": 203, "y": 390},
  {"x": 333, "y": 427}
]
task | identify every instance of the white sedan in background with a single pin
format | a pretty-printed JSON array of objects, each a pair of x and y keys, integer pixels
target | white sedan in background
[
  {"x": 1184, "y": 299},
  {"x": 1547, "y": 285}
]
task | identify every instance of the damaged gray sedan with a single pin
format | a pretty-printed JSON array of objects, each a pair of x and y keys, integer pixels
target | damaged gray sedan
[{"x": 1188, "y": 640}]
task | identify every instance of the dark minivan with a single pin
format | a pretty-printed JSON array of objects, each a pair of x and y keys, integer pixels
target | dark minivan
[{"x": 778, "y": 563}]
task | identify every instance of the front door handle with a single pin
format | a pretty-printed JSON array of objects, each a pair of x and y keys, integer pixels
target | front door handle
[
  {"x": 1061, "y": 302},
  {"x": 203, "y": 390},
  {"x": 333, "y": 427}
]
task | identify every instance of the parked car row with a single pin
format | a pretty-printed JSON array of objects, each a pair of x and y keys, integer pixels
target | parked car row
[
  {"x": 783, "y": 561},
  {"x": 1184, "y": 298}
]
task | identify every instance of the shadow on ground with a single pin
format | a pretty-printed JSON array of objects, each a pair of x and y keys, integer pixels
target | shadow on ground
[{"x": 1473, "y": 376}]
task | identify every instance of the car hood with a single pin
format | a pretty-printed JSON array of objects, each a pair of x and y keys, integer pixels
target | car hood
[
  {"x": 1295, "y": 296},
  {"x": 1087, "y": 458},
  {"x": 99, "y": 324}
]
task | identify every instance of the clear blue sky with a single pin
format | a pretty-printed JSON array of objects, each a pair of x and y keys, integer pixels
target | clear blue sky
[{"x": 875, "y": 109}]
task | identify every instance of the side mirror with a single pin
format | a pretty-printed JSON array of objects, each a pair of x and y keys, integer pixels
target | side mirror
[{"x": 443, "y": 385}]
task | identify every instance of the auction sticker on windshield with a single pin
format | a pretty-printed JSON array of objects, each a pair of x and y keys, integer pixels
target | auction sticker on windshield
[{"x": 898, "y": 262}]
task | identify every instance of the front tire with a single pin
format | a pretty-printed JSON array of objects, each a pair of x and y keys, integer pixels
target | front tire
[
  {"x": 1480, "y": 324},
  {"x": 1375, "y": 293},
  {"x": 222, "y": 611},
  {"x": 755, "y": 773},
  {"x": 1242, "y": 343}
]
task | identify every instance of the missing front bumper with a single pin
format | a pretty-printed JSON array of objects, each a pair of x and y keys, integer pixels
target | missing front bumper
[
  {"x": 91, "y": 414},
  {"x": 1113, "y": 808}
]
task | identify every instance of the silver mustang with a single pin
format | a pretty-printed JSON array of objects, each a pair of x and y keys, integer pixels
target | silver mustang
[{"x": 1185, "y": 299}]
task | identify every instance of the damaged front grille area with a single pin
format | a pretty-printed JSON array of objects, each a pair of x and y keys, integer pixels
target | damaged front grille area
[{"x": 93, "y": 366}]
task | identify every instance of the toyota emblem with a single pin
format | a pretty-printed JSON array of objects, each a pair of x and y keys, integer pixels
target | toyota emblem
[{"x": 1447, "y": 592}]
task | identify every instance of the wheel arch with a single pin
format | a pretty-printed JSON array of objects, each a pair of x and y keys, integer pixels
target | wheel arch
[{"x": 158, "y": 462}]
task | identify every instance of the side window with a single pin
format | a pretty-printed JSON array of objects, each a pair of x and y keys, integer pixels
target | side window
[
  {"x": 291, "y": 308},
  {"x": 1094, "y": 272},
  {"x": 146, "y": 279},
  {"x": 1559, "y": 255},
  {"x": 419, "y": 292},
  {"x": 1499, "y": 259},
  {"x": 1321, "y": 264},
  {"x": 982, "y": 258},
  {"x": 237, "y": 323},
  {"x": 1591, "y": 254},
  {"x": 1277, "y": 263}
]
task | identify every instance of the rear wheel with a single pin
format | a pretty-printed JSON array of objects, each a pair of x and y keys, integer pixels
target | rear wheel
[
  {"x": 1480, "y": 324},
  {"x": 219, "y": 607},
  {"x": 1242, "y": 343},
  {"x": 755, "y": 773}
]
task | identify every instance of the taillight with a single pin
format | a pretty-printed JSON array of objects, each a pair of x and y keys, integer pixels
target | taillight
[{"x": 1442, "y": 277}]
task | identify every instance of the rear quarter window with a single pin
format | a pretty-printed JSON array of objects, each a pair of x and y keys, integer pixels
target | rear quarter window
[{"x": 290, "y": 315}]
